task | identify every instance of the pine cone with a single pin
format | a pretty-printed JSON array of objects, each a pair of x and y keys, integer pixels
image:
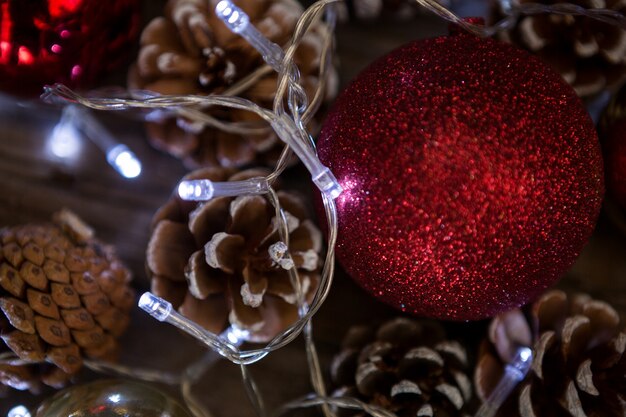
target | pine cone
[
  {"x": 220, "y": 262},
  {"x": 63, "y": 295},
  {"x": 190, "y": 51},
  {"x": 578, "y": 367},
  {"x": 405, "y": 366},
  {"x": 589, "y": 54}
]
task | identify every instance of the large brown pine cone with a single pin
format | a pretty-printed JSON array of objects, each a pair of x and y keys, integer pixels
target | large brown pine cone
[
  {"x": 190, "y": 51},
  {"x": 589, "y": 54},
  {"x": 405, "y": 366},
  {"x": 64, "y": 296},
  {"x": 579, "y": 366},
  {"x": 219, "y": 262}
]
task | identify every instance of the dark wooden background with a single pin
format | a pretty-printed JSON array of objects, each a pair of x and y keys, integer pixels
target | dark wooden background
[{"x": 34, "y": 184}]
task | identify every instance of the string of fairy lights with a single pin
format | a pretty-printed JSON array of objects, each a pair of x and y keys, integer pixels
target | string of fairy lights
[{"x": 288, "y": 121}]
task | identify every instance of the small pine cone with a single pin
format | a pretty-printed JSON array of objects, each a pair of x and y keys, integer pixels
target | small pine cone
[
  {"x": 190, "y": 51},
  {"x": 589, "y": 54},
  {"x": 579, "y": 365},
  {"x": 221, "y": 262},
  {"x": 404, "y": 366},
  {"x": 63, "y": 296}
]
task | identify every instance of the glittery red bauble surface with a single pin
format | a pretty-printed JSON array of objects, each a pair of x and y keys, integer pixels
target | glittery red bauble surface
[
  {"x": 472, "y": 177},
  {"x": 70, "y": 41}
]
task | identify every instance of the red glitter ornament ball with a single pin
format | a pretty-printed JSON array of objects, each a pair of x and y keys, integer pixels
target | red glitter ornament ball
[
  {"x": 472, "y": 177},
  {"x": 75, "y": 42}
]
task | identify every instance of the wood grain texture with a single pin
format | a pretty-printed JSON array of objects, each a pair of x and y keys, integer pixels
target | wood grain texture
[{"x": 34, "y": 184}]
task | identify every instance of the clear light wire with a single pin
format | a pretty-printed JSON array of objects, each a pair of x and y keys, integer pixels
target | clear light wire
[
  {"x": 348, "y": 403},
  {"x": 290, "y": 121},
  {"x": 514, "y": 373},
  {"x": 148, "y": 375},
  {"x": 75, "y": 119},
  {"x": 513, "y": 10}
]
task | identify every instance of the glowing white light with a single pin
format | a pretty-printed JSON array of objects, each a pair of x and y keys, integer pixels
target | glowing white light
[
  {"x": 235, "y": 335},
  {"x": 124, "y": 161},
  {"x": 514, "y": 372},
  {"x": 64, "y": 141},
  {"x": 525, "y": 354},
  {"x": 155, "y": 306},
  {"x": 75, "y": 120},
  {"x": 327, "y": 183},
  {"x": 203, "y": 190},
  {"x": 196, "y": 190},
  {"x": 234, "y": 17},
  {"x": 239, "y": 22},
  {"x": 19, "y": 411},
  {"x": 115, "y": 398}
]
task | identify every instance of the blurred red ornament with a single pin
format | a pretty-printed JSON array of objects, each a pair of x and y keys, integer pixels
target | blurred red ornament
[
  {"x": 70, "y": 41},
  {"x": 472, "y": 177}
]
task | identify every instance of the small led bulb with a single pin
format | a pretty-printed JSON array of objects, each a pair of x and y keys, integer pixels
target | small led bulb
[
  {"x": 155, "y": 306},
  {"x": 327, "y": 183},
  {"x": 235, "y": 335},
  {"x": 196, "y": 190},
  {"x": 238, "y": 22},
  {"x": 322, "y": 176},
  {"x": 124, "y": 161},
  {"x": 65, "y": 141},
  {"x": 514, "y": 373},
  {"x": 202, "y": 190},
  {"x": 118, "y": 155}
]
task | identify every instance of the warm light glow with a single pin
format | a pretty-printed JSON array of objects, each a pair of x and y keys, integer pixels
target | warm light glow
[
  {"x": 57, "y": 8},
  {"x": 5, "y": 33},
  {"x": 24, "y": 56},
  {"x": 76, "y": 71},
  {"x": 5, "y": 52}
]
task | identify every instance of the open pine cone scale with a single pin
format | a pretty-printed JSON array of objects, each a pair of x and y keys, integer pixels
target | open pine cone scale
[
  {"x": 222, "y": 262},
  {"x": 578, "y": 368},
  {"x": 589, "y": 54},
  {"x": 189, "y": 50},
  {"x": 406, "y": 367}
]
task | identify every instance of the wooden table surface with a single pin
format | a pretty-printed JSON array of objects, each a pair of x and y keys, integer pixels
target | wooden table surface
[{"x": 34, "y": 184}]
